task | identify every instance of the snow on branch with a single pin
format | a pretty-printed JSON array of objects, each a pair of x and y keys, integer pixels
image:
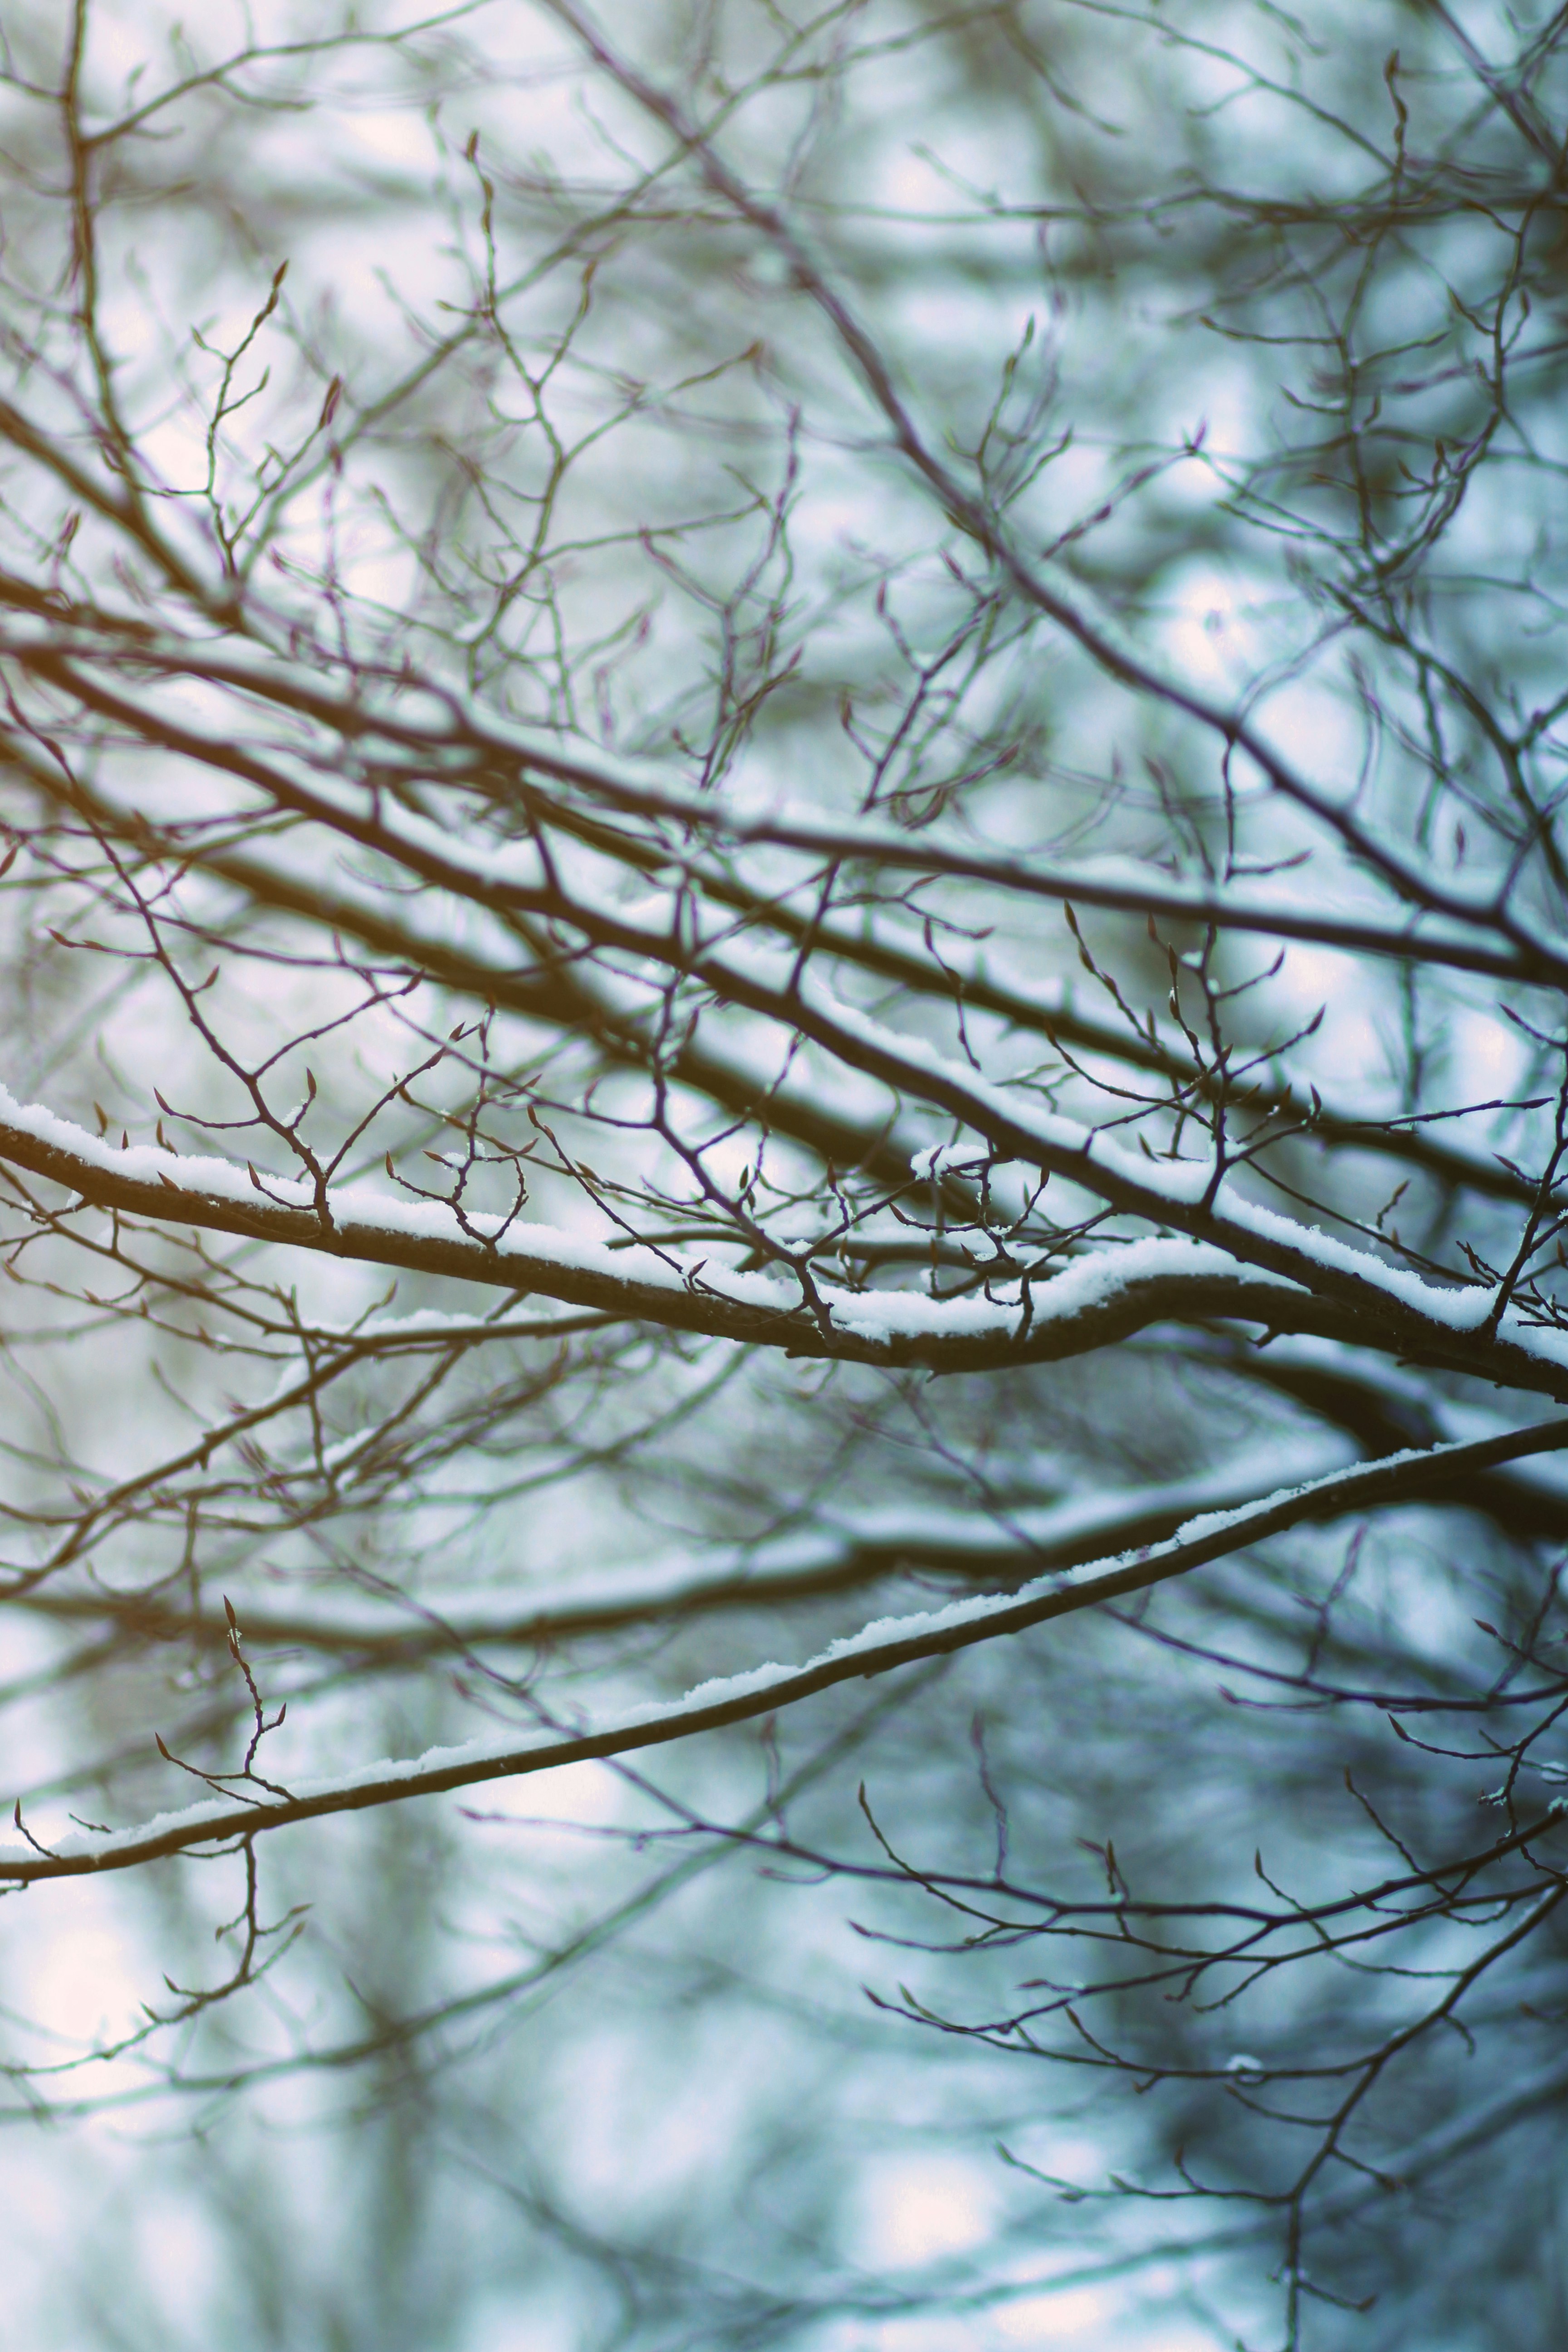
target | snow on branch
[
  {"x": 878, "y": 1648},
  {"x": 1462, "y": 936},
  {"x": 1097, "y": 1297},
  {"x": 847, "y": 1552},
  {"x": 1307, "y": 1282}
]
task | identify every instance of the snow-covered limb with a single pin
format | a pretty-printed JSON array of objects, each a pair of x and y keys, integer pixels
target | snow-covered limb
[
  {"x": 739, "y": 968},
  {"x": 762, "y": 978},
  {"x": 877, "y": 1649},
  {"x": 848, "y": 1552},
  {"x": 745, "y": 972},
  {"x": 1097, "y": 1298},
  {"x": 515, "y": 879},
  {"x": 835, "y": 1120},
  {"x": 1291, "y": 1277},
  {"x": 846, "y": 1134},
  {"x": 1464, "y": 942}
]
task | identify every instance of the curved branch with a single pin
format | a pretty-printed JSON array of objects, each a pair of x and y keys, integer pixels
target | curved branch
[
  {"x": 1029, "y": 1542},
  {"x": 742, "y": 1698}
]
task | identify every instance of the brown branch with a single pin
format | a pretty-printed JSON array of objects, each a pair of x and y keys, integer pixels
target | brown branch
[{"x": 1401, "y": 1479}]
